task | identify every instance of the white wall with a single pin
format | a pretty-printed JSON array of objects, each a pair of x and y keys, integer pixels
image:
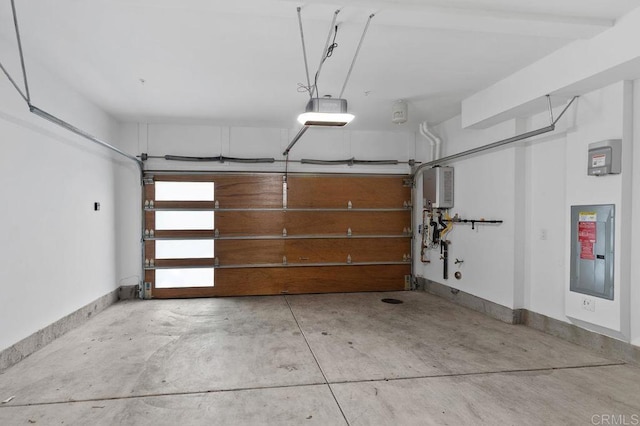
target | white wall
[
  {"x": 57, "y": 253},
  {"x": 206, "y": 140},
  {"x": 600, "y": 116},
  {"x": 532, "y": 186},
  {"x": 485, "y": 187},
  {"x": 634, "y": 272}
]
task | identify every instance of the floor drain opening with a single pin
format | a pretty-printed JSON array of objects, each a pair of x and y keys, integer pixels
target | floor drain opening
[{"x": 393, "y": 301}]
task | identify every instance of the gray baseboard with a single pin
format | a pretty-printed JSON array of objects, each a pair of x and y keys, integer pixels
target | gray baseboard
[
  {"x": 41, "y": 338},
  {"x": 494, "y": 310},
  {"x": 605, "y": 345},
  {"x": 128, "y": 292}
]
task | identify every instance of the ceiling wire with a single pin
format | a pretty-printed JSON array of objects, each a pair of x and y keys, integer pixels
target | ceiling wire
[
  {"x": 328, "y": 53},
  {"x": 333, "y": 27}
]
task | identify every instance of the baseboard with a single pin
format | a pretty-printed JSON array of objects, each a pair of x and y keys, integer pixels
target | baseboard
[
  {"x": 16, "y": 353},
  {"x": 605, "y": 345},
  {"x": 494, "y": 310},
  {"x": 128, "y": 292}
]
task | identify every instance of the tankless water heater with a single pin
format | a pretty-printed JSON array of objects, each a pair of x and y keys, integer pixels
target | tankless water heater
[{"x": 437, "y": 187}]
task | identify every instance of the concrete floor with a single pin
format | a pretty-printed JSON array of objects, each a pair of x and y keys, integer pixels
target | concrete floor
[{"x": 315, "y": 359}]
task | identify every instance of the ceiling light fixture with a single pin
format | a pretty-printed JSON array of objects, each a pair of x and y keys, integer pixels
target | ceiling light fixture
[{"x": 326, "y": 111}]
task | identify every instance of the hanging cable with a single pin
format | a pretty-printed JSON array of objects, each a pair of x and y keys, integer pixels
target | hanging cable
[
  {"x": 328, "y": 53},
  {"x": 333, "y": 27}
]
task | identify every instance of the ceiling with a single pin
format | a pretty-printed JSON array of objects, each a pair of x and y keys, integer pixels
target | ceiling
[{"x": 241, "y": 62}]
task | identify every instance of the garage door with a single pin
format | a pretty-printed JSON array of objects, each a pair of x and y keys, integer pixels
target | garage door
[{"x": 255, "y": 234}]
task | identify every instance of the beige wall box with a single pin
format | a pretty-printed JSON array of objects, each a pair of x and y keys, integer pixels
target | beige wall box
[{"x": 605, "y": 158}]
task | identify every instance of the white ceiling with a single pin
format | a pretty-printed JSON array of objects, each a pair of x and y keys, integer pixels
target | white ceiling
[{"x": 240, "y": 62}]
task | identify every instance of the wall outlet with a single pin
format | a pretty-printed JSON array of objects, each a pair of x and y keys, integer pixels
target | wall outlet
[
  {"x": 588, "y": 304},
  {"x": 543, "y": 234}
]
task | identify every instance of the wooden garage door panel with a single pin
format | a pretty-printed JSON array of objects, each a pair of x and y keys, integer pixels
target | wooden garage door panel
[
  {"x": 337, "y": 250},
  {"x": 249, "y": 252},
  {"x": 149, "y": 192},
  {"x": 253, "y": 191},
  {"x": 249, "y": 244},
  {"x": 182, "y": 205},
  {"x": 333, "y": 279},
  {"x": 361, "y": 223},
  {"x": 206, "y": 233},
  {"x": 301, "y": 280},
  {"x": 149, "y": 219},
  {"x": 183, "y": 263},
  {"x": 256, "y": 223},
  {"x": 337, "y": 191},
  {"x": 150, "y": 249},
  {"x": 233, "y": 190}
]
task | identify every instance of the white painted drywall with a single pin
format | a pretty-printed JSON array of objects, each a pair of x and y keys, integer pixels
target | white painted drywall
[
  {"x": 204, "y": 140},
  {"x": 600, "y": 117},
  {"x": 580, "y": 67},
  {"x": 485, "y": 187},
  {"x": 537, "y": 212},
  {"x": 57, "y": 254},
  {"x": 634, "y": 273}
]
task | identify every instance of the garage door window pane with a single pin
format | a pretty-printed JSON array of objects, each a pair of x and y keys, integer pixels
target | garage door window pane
[
  {"x": 180, "y": 278},
  {"x": 184, "y": 249},
  {"x": 184, "y": 191},
  {"x": 183, "y": 220}
]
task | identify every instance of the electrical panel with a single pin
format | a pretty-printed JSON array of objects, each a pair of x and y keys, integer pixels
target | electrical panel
[
  {"x": 592, "y": 250},
  {"x": 605, "y": 158},
  {"x": 437, "y": 187}
]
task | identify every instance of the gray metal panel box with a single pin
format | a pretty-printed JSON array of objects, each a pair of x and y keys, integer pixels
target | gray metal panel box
[
  {"x": 437, "y": 187},
  {"x": 605, "y": 158},
  {"x": 592, "y": 250}
]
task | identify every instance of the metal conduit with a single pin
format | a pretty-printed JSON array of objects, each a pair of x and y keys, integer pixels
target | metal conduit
[
  {"x": 26, "y": 95},
  {"x": 304, "y": 52},
  {"x": 355, "y": 56},
  {"x": 349, "y": 162},
  {"x": 219, "y": 159},
  {"x": 50, "y": 117},
  {"x": 43, "y": 114},
  {"x": 19, "y": 40},
  {"x": 14, "y": 83},
  {"x": 295, "y": 139},
  {"x": 497, "y": 144},
  {"x": 223, "y": 159},
  {"x": 493, "y": 145},
  {"x": 507, "y": 141}
]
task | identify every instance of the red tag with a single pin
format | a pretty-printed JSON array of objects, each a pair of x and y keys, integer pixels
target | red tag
[{"x": 587, "y": 239}]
